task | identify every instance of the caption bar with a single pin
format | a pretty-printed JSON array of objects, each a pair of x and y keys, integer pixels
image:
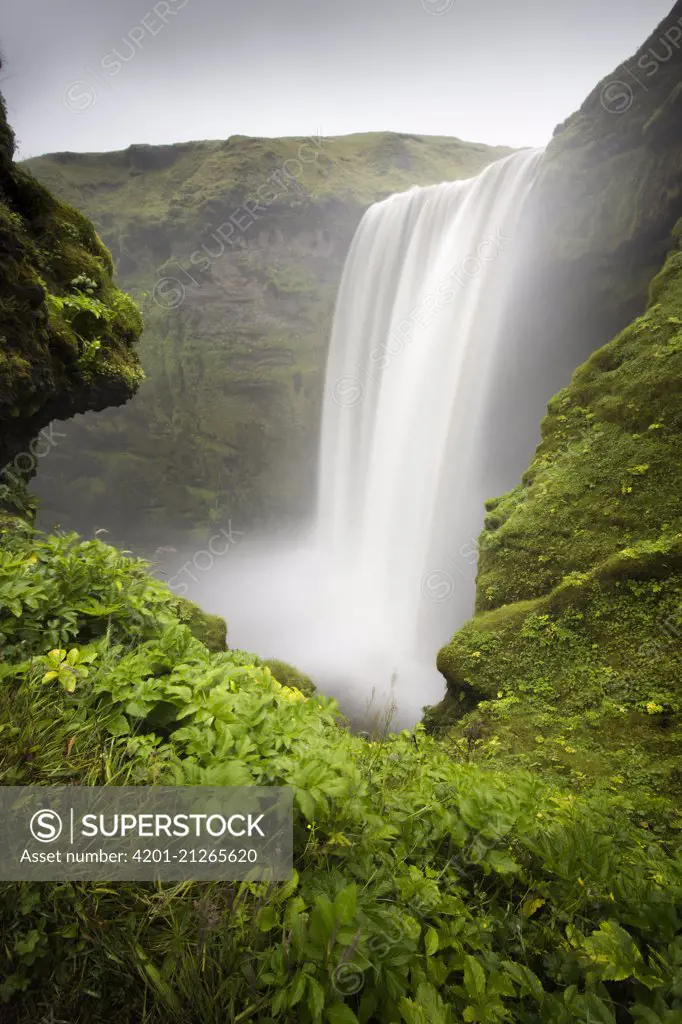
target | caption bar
[{"x": 145, "y": 833}]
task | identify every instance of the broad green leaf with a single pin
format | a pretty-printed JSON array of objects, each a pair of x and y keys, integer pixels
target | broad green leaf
[
  {"x": 431, "y": 941},
  {"x": 297, "y": 989},
  {"x": 612, "y": 951},
  {"x": 345, "y": 904},
  {"x": 474, "y": 978},
  {"x": 118, "y": 726},
  {"x": 322, "y": 921},
  {"x": 268, "y": 919},
  {"x": 502, "y": 863},
  {"x": 306, "y": 803},
  {"x": 528, "y": 982},
  {"x": 137, "y": 709},
  {"x": 531, "y": 906},
  {"x": 339, "y": 1013},
  {"x": 68, "y": 681},
  {"x": 644, "y": 1013},
  {"x": 315, "y": 997}
]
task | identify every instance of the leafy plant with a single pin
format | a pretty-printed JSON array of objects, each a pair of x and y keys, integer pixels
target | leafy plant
[
  {"x": 68, "y": 669},
  {"x": 425, "y": 888}
]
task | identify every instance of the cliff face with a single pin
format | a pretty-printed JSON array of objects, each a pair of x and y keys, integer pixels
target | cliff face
[
  {"x": 611, "y": 186},
  {"x": 66, "y": 332},
  {"x": 597, "y": 230},
  {"x": 234, "y": 250},
  {"x": 573, "y": 659}
]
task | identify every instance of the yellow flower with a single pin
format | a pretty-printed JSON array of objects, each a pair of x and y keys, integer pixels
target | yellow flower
[{"x": 291, "y": 693}]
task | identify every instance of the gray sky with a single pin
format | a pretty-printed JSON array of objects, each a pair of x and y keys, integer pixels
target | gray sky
[{"x": 101, "y": 74}]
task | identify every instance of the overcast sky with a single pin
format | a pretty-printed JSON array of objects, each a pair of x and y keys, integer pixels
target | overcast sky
[{"x": 102, "y": 74}]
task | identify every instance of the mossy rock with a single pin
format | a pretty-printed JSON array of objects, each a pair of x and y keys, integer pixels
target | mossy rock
[
  {"x": 210, "y": 629},
  {"x": 287, "y": 675},
  {"x": 66, "y": 331}
]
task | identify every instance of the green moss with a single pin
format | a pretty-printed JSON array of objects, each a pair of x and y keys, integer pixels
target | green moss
[
  {"x": 606, "y": 474},
  {"x": 214, "y": 176},
  {"x": 211, "y": 630},
  {"x": 287, "y": 280},
  {"x": 287, "y": 675},
  {"x": 58, "y": 304}
]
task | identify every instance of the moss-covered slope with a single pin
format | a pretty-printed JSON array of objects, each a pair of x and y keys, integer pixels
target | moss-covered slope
[
  {"x": 236, "y": 331},
  {"x": 574, "y": 654},
  {"x": 66, "y": 332}
]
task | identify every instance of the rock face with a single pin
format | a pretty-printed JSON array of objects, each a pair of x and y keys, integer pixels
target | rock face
[
  {"x": 234, "y": 250},
  {"x": 597, "y": 231},
  {"x": 66, "y": 332},
  {"x": 611, "y": 187},
  {"x": 573, "y": 658}
]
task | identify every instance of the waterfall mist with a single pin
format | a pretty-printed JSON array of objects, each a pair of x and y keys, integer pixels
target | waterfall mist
[{"x": 362, "y": 599}]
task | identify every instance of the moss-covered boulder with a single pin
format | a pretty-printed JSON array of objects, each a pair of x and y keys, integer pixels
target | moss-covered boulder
[
  {"x": 210, "y": 629},
  {"x": 289, "y": 676},
  {"x": 574, "y": 656},
  {"x": 66, "y": 331}
]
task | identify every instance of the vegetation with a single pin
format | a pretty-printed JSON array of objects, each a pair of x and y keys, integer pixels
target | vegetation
[
  {"x": 152, "y": 178},
  {"x": 425, "y": 890},
  {"x": 287, "y": 675},
  {"x": 516, "y": 858},
  {"x": 573, "y": 662},
  {"x": 66, "y": 332}
]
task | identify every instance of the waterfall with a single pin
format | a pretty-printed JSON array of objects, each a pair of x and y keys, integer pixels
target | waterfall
[
  {"x": 418, "y": 323},
  {"x": 415, "y": 359}
]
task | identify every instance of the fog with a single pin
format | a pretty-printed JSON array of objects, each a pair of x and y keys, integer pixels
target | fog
[
  {"x": 83, "y": 75},
  {"x": 283, "y": 600}
]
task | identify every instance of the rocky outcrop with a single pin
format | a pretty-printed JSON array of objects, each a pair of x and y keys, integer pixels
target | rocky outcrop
[
  {"x": 66, "y": 331},
  {"x": 234, "y": 250}
]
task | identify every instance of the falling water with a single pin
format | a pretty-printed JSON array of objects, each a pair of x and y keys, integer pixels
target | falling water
[
  {"x": 417, "y": 326},
  {"x": 390, "y": 571}
]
